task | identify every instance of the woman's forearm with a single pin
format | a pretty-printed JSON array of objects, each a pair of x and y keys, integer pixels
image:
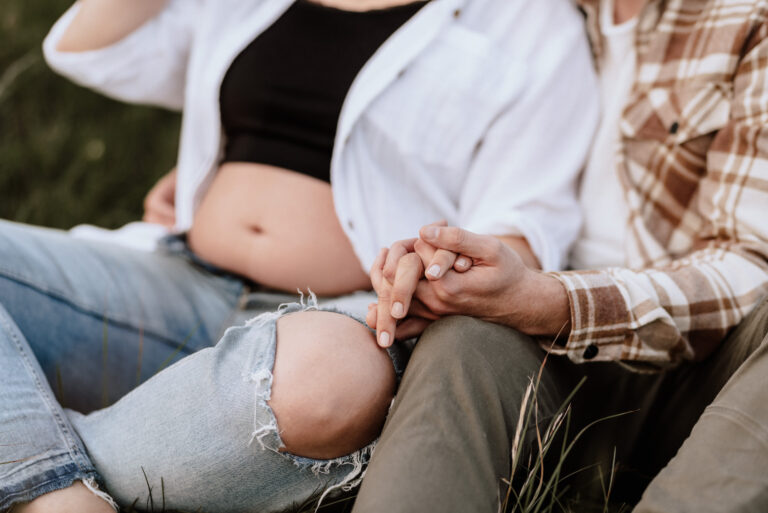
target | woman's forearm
[{"x": 100, "y": 23}]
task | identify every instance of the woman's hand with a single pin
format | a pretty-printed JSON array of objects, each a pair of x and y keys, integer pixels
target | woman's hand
[
  {"x": 395, "y": 275},
  {"x": 395, "y": 295},
  {"x": 160, "y": 202}
]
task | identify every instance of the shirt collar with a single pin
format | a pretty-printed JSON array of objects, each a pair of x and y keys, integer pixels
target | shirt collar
[{"x": 649, "y": 16}]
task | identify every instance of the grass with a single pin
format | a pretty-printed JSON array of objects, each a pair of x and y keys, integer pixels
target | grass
[
  {"x": 69, "y": 155},
  {"x": 541, "y": 485}
]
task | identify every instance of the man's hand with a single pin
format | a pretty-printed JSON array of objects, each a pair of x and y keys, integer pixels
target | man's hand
[
  {"x": 466, "y": 274},
  {"x": 498, "y": 286},
  {"x": 160, "y": 202}
]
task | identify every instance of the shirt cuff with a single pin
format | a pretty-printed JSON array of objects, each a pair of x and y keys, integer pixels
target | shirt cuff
[{"x": 600, "y": 318}]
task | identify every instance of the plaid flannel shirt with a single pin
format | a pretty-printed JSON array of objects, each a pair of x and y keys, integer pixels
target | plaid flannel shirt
[{"x": 693, "y": 164}]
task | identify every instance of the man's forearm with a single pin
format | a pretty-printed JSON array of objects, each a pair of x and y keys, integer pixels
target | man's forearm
[{"x": 544, "y": 308}]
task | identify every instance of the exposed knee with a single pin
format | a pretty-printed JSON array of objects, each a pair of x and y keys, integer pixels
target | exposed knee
[{"x": 332, "y": 384}]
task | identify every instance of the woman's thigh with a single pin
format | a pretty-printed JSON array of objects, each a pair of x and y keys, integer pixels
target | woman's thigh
[
  {"x": 203, "y": 435},
  {"x": 101, "y": 318}
]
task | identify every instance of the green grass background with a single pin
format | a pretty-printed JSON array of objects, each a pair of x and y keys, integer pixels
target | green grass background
[{"x": 67, "y": 154}]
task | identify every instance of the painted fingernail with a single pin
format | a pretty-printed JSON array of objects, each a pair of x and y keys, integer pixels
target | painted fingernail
[
  {"x": 384, "y": 339},
  {"x": 397, "y": 309},
  {"x": 434, "y": 270},
  {"x": 462, "y": 262}
]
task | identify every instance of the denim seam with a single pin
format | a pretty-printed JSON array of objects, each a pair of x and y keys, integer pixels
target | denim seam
[
  {"x": 112, "y": 318},
  {"x": 77, "y": 456},
  {"x": 26, "y": 463},
  {"x": 66, "y": 479}
]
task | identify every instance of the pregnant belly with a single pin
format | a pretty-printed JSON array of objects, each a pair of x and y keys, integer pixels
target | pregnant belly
[{"x": 278, "y": 228}]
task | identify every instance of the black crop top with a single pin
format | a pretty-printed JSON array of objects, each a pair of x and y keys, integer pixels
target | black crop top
[{"x": 281, "y": 97}]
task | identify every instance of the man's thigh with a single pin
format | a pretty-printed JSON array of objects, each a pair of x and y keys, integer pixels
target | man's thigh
[
  {"x": 723, "y": 464},
  {"x": 447, "y": 444},
  {"x": 660, "y": 409},
  {"x": 101, "y": 318}
]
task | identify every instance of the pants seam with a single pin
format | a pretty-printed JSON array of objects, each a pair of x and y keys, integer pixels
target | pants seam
[
  {"x": 87, "y": 311},
  {"x": 737, "y": 416},
  {"x": 71, "y": 444},
  {"x": 70, "y": 478}
]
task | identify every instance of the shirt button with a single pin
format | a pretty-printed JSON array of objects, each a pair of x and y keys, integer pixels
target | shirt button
[
  {"x": 590, "y": 352},
  {"x": 400, "y": 73},
  {"x": 350, "y": 224},
  {"x": 457, "y": 13}
]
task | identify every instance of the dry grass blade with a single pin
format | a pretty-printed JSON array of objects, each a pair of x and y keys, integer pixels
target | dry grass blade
[
  {"x": 521, "y": 421},
  {"x": 179, "y": 348},
  {"x": 539, "y": 492},
  {"x": 16, "y": 69},
  {"x": 141, "y": 355}
]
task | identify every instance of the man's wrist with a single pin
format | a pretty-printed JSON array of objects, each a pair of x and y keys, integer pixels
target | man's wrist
[{"x": 545, "y": 307}]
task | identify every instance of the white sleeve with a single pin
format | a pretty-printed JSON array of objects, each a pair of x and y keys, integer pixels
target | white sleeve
[
  {"x": 524, "y": 176},
  {"x": 147, "y": 66}
]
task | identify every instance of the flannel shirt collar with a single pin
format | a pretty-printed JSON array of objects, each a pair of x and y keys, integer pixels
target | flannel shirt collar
[{"x": 649, "y": 17}]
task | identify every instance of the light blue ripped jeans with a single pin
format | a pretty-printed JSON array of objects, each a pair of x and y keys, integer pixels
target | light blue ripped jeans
[{"x": 92, "y": 321}]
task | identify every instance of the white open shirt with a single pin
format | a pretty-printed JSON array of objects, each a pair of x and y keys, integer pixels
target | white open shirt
[
  {"x": 602, "y": 240},
  {"x": 479, "y": 112}
]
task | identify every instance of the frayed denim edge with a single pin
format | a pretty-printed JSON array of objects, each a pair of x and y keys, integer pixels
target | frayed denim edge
[
  {"x": 62, "y": 483},
  {"x": 265, "y": 429},
  {"x": 93, "y": 486}
]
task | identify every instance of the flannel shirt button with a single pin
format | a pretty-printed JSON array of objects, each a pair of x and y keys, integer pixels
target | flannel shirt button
[
  {"x": 590, "y": 352},
  {"x": 673, "y": 129}
]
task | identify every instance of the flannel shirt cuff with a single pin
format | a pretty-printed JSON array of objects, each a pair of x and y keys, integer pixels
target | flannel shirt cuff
[{"x": 600, "y": 318}]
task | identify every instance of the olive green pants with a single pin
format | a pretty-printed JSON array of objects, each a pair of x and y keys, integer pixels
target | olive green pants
[{"x": 447, "y": 443}]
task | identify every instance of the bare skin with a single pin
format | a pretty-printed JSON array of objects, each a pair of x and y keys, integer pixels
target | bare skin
[
  {"x": 277, "y": 228},
  {"x": 75, "y": 499},
  {"x": 332, "y": 385},
  {"x": 100, "y": 23},
  {"x": 625, "y": 10},
  {"x": 400, "y": 270},
  {"x": 498, "y": 287},
  {"x": 159, "y": 204}
]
